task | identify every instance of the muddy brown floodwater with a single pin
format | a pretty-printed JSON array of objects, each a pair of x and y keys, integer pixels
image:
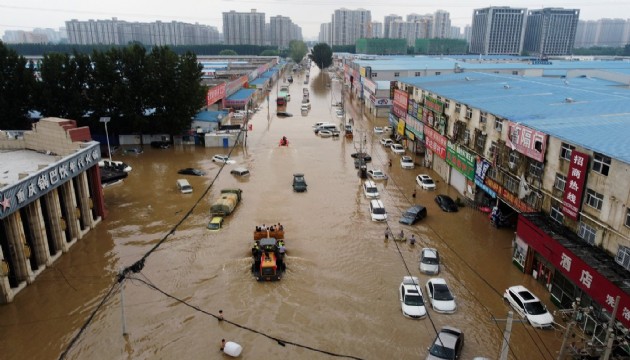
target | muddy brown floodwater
[{"x": 339, "y": 294}]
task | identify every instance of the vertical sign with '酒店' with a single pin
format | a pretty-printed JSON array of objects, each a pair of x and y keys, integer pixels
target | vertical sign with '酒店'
[{"x": 574, "y": 186}]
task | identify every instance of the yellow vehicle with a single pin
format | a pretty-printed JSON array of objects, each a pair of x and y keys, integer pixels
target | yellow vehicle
[{"x": 216, "y": 223}]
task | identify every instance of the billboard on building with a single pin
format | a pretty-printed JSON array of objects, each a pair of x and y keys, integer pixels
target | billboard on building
[
  {"x": 215, "y": 94},
  {"x": 435, "y": 142},
  {"x": 529, "y": 142},
  {"x": 574, "y": 185}
]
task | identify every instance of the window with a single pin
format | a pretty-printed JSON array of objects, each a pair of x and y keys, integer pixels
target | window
[
  {"x": 560, "y": 182},
  {"x": 587, "y": 233},
  {"x": 513, "y": 160},
  {"x": 515, "y": 72},
  {"x": 458, "y": 108},
  {"x": 628, "y": 217},
  {"x": 594, "y": 199},
  {"x": 623, "y": 257},
  {"x": 374, "y": 74},
  {"x": 601, "y": 164},
  {"x": 483, "y": 118},
  {"x": 446, "y": 104},
  {"x": 512, "y": 185},
  {"x": 492, "y": 151},
  {"x": 556, "y": 213},
  {"x": 492, "y": 173},
  {"x": 480, "y": 141},
  {"x": 396, "y": 74},
  {"x": 532, "y": 199},
  {"x": 565, "y": 151},
  {"x": 418, "y": 73},
  {"x": 498, "y": 124},
  {"x": 536, "y": 168},
  {"x": 468, "y": 113},
  {"x": 438, "y": 73}
]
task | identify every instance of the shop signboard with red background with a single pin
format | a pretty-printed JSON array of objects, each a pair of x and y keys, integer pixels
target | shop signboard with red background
[
  {"x": 215, "y": 94},
  {"x": 596, "y": 285},
  {"x": 435, "y": 142},
  {"x": 529, "y": 142},
  {"x": 574, "y": 185},
  {"x": 508, "y": 197}
]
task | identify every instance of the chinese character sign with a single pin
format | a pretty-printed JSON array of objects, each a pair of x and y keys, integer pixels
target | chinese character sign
[
  {"x": 526, "y": 141},
  {"x": 435, "y": 142},
  {"x": 215, "y": 94},
  {"x": 460, "y": 159},
  {"x": 400, "y": 100},
  {"x": 574, "y": 186}
]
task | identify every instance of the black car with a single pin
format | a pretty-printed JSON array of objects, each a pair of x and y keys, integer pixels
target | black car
[
  {"x": 160, "y": 144},
  {"x": 299, "y": 183},
  {"x": 191, "y": 171},
  {"x": 446, "y": 203},
  {"x": 413, "y": 214},
  {"x": 283, "y": 114},
  {"x": 361, "y": 155},
  {"x": 448, "y": 344}
]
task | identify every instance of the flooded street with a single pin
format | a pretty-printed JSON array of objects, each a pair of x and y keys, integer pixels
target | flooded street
[{"x": 340, "y": 292}]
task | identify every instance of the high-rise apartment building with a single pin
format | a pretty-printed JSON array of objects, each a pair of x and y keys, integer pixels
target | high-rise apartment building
[
  {"x": 550, "y": 31},
  {"x": 441, "y": 27},
  {"x": 377, "y": 29},
  {"x": 115, "y": 32},
  {"x": 350, "y": 25},
  {"x": 602, "y": 32},
  {"x": 325, "y": 33},
  {"x": 420, "y": 28},
  {"x": 244, "y": 28},
  {"x": 282, "y": 31},
  {"x": 586, "y": 35},
  {"x": 498, "y": 31},
  {"x": 387, "y": 24}
]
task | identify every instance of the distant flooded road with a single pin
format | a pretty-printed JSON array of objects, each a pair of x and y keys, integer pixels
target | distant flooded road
[{"x": 340, "y": 292}]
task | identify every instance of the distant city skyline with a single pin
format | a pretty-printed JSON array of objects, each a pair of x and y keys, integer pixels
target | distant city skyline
[{"x": 308, "y": 15}]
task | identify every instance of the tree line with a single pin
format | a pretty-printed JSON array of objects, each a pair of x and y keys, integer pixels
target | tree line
[{"x": 156, "y": 91}]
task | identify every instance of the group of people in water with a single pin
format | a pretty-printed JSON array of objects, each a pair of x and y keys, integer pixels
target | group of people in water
[
  {"x": 263, "y": 227},
  {"x": 262, "y": 253},
  {"x": 400, "y": 237}
]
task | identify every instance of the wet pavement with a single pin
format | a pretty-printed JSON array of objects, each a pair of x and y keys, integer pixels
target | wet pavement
[{"x": 340, "y": 292}]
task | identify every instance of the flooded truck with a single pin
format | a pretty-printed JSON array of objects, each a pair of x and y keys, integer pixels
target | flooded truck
[{"x": 226, "y": 203}]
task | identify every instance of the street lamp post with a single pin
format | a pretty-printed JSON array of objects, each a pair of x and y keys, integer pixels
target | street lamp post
[{"x": 105, "y": 120}]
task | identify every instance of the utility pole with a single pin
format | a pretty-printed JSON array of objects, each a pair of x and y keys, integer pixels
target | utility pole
[
  {"x": 569, "y": 329},
  {"x": 610, "y": 337},
  {"x": 505, "y": 346}
]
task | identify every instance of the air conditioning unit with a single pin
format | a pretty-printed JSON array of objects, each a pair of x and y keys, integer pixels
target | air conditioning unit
[{"x": 511, "y": 165}]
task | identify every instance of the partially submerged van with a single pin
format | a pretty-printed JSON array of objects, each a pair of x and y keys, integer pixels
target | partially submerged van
[
  {"x": 369, "y": 189},
  {"x": 240, "y": 171},
  {"x": 184, "y": 186},
  {"x": 377, "y": 210}
]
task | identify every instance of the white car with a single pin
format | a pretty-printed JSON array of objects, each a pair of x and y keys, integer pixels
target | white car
[
  {"x": 410, "y": 296},
  {"x": 528, "y": 306},
  {"x": 388, "y": 129},
  {"x": 386, "y": 142},
  {"x": 376, "y": 174},
  {"x": 378, "y": 130},
  {"x": 340, "y": 113},
  {"x": 397, "y": 149},
  {"x": 425, "y": 182},
  {"x": 406, "y": 162},
  {"x": 222, "y": 159},
  {"x": 429, "y": 262},
  {"x": 440, "y": 296}
]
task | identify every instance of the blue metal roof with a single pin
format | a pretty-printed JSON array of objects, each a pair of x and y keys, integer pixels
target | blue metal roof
[
  {"x": 210, "y": 116},
  {"x": 242, "y": 94},
  {"x": 259, "y": 81},
  {"x": 589, "y": 112}
]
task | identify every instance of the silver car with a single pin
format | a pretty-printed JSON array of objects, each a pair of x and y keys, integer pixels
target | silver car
[{"x": 429, "y": 262}]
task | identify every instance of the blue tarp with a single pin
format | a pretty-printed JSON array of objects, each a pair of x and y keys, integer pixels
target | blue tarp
[
  {"x": 240, "y": 97},
  {"x": 210, "y": 116}
]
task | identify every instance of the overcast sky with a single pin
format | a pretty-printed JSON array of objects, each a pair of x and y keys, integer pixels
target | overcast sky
[{"x": 309, "y": 15}]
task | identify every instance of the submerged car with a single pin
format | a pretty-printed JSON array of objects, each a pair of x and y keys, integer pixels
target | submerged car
[
  {"x": 361, "y": 155},
  {"x": 191, "y": 171},
  {"x": 299, "y": 183},
  {"x": 376, "y": 174},
  {"x": 528, "y": 306},
  {"x": 406, "y": 162},
  {"x": 425, "y": 182},
  {"x": 283, "y": 114},
  {"x": 222, "y": 159},
  {"x": 378, "y": 130},
  {"x": 216, "y": 223},
  {"x": 386, "y": 142},
  {"x": 413, "y": 215},
  {"x": 397, "y": 149},
  {"x": 446, "y": 203},
  {"x": 410, "y": 296},
  {"x": 429, "y": 262},
  {"x": 448, "y": 344},
  {"x": 440, "y": 296}
]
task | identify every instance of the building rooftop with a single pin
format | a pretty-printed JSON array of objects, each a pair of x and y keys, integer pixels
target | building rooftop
[
  {"x": 16, "y": 162},
  {"x": 589, "y": 112}
]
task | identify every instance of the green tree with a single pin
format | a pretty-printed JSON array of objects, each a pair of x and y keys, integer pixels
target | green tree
[
  {"x": 321, "y": 55},
  {"x": 17, "y": 84},
  {"x": 227, "y": 52},
  {"x": 297, "y": 50},
  {"x": 269, "y": 52}
]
